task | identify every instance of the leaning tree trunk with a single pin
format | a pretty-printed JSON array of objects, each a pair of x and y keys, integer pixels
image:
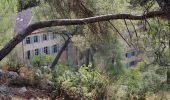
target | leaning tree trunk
[
  {"x": 60, "y": 53},
  {"x": 77, "y": 30}
]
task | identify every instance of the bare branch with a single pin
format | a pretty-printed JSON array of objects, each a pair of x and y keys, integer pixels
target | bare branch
[
  {"x": 119, "y": 33},
  {"x": 128, "y": 29}
]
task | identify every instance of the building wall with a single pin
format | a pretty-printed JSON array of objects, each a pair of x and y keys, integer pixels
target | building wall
[
  {"x": 132, "y": 57},
  {"x": 50, "y": 42}
]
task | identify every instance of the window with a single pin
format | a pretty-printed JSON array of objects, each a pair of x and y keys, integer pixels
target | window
[
  {"x": 53, "y": 35},
  {"x": 28, "y": 54},
  {"x": 28, "y": 40},
  {"x": 44, "y": 37},
  {"x": 133, "y": 53},
  {"x": 128, "y": 55},
  {"x": 55, "y": 49},
  {"x": 132, "y": 63},
  {"x": 35, "y": 39},
  {"x": 37, "y": 52},
  {"x": 46, "y": 50}
]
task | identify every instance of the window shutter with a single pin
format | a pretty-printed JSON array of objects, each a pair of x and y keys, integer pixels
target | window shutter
[
  {"x": 40, "y": 51},
  {"x": 24, "y": 41},
  {"x": 47, "y": 35},
  {"x": 129, "y": 55},
  {"x": 31, "y": 39},
  {"x": 48, "y": 50},
  {"x": 51, "y": 36},
  {"x": 51, "y": 49},
  {"x": 31, "y": 54},
  {"x": 41, "y": 38},
  {"x": 38, "y": 38},
  {"x": 58, "y": 47}
]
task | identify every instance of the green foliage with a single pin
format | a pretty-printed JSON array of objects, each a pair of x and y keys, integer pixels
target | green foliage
[
  {"x": 115, "y": 70},
  {"x": 42, "y": 60},
  {"x": 7, "y": 20},
  {"x": 30, "y": 3},
  {"x": 131, "y": 79},
  {"x": 109, "y": 56},
  {"x": 13, "y": 62},
  {"x": 151, "y": 82},
  {"x": 137, "y": 84},
  {"x": 86, "y": 83}
]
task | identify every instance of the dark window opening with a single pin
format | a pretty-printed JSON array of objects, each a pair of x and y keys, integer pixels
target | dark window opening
[
  {"x": 28, "y": 40},
  {"x": 28, "y": 54},
  {"x": 35, "y": 38},
  {"x": 128, "y": 55},
  {"x": 46, "y": 50},
  {"x": 44, "y": 37},
  {"x": 132, "y": 63},
  {"x": 36, "y": 51},
  {"x": 133, "y": 53},
  {"x": 55, "y": 49}
]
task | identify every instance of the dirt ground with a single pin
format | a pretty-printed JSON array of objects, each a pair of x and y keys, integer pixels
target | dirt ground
[{"x": 22, "y": 92}]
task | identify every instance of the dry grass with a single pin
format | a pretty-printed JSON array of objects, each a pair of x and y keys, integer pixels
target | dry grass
[{"x": 159, "y": 96}]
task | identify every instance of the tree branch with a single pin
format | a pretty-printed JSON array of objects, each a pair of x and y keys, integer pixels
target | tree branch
[{"x": 61, "y": 22}]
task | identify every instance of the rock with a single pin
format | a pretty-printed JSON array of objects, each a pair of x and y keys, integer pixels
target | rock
[
  {"x": 23, "y": 90},
  {"x": 3, "y": 89},
  {"x": 1, "y": 73},
  {"x": 12, "y": 75},
  {"x": 46, "y": 85}
]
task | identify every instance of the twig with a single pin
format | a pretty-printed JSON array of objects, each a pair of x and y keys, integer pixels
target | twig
[{"x": 119, "y": 33}]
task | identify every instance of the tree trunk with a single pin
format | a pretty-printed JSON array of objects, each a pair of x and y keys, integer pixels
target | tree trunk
[{"x": 60, "y": 53}]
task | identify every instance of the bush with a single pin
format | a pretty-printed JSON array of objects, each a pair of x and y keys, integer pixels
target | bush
[
  {"x": 42, "y": 60},
  {"x": 13, "y": 62},
  {"x": 135, "y": 84},
  {"x": 86, "y": 83}
]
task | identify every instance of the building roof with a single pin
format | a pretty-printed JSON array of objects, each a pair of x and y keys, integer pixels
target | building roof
[{"x": 23, "y": 19}]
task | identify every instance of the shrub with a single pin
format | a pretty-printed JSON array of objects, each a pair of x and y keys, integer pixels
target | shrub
[
  {"x": 13, "y": 63},
  {"x": 86, "y": 83},
  {"x": 135, "y": 84},
  {"x": 42, "y": 60}
]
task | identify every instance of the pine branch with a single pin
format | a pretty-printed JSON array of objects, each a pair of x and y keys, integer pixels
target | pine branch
[{"x": 63, "y": 22}]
